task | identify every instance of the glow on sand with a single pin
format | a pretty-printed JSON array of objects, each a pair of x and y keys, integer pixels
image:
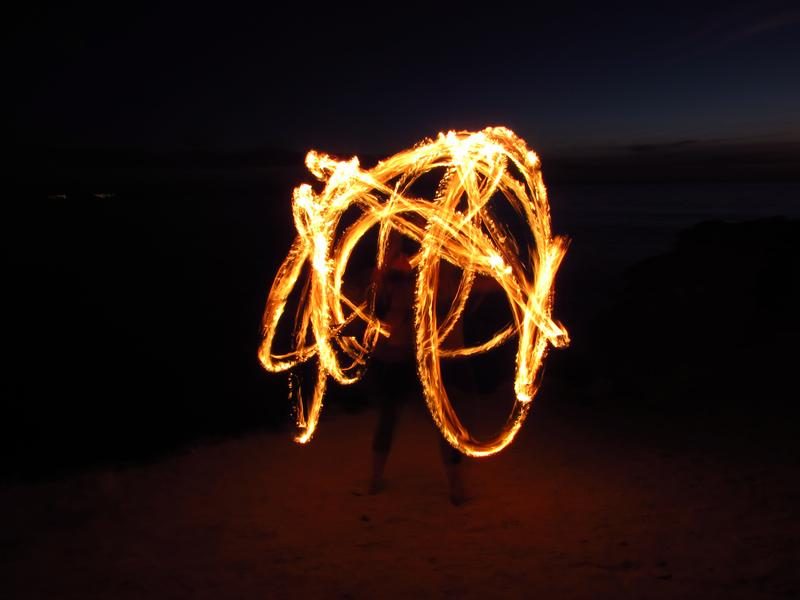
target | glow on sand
[{"x": 456, "y": 225}]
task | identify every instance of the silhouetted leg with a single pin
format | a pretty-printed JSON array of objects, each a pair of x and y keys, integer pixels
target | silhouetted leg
[
  {"x": 390, "y": 389},
  {"x": 389, "y": 394},
  {"x": 382, "y": 440},
  {"x": 452, "y": 459},
  {"x": 463, "y": 389}
]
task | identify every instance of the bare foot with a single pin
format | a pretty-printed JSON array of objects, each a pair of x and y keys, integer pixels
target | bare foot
[
  {"x": 455, "y": 479},
  {"x": 457, "y": 495},
  {"x": 376, "y": 486}
]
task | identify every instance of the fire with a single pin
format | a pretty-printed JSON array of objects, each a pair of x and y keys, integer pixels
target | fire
[{"x": 457, "y": 225}]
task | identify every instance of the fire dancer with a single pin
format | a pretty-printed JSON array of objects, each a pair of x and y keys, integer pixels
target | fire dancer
[{"x": 393, "y": 368}]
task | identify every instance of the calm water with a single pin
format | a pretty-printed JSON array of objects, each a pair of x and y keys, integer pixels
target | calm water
[
  {"x": 615, "y": 226},
  {"x": 620, "y": 224}
]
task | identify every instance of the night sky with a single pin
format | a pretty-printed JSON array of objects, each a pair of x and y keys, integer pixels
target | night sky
[
  {"x": 150, "y": 153},
  {"x": 564, "y": 76}
]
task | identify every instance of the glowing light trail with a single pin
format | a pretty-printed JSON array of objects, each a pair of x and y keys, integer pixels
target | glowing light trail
[{"x": 457, "y": 225}]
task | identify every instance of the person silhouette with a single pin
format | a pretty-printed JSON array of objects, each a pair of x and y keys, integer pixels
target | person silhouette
[{"x": 393, "y": 366}]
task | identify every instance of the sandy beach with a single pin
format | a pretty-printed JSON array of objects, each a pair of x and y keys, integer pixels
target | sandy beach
[{"x": 578, "y": 507}]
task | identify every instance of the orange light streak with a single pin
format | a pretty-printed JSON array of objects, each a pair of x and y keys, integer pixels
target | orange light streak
[{"x": 456, "y": 225}]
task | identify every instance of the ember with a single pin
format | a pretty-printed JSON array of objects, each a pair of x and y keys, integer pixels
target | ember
[{"x": 457, "y": 225}]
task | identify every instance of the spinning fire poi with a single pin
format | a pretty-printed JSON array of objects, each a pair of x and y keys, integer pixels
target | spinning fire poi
[{"x": 457, "y": 225}]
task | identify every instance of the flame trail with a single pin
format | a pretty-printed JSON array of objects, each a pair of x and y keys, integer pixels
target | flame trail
[{"x": 456, "y": 226}]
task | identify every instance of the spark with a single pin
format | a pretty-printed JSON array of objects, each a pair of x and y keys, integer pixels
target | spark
[{"x": 457, "y": 226}]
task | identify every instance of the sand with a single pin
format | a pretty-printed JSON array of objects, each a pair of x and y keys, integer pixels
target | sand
[{"x": 578, "y": 507}]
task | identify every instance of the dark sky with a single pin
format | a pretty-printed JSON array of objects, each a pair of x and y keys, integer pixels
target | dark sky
[{"x": 380, "y": 78}]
